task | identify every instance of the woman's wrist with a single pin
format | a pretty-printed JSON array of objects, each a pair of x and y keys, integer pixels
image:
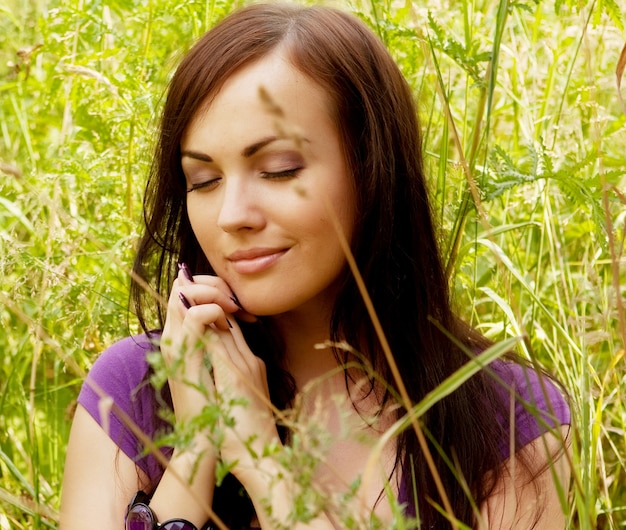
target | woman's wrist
[
  {"x": 269, "y": 485},
  {"x": 186, "y": 488},
  {"x": 274, "y": 490},
  {"x": 140, "y": 516}
]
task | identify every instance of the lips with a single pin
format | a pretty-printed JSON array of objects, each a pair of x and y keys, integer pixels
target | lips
[{"x": 255, "y": 260}]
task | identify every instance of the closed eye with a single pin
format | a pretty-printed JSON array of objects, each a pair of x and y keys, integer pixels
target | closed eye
[
  {"x": 285, "y": 174},
  {"x": 206, "y": 185}
]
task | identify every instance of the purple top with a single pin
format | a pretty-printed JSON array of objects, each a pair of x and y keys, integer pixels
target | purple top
[{"x": 120, "y": 372}]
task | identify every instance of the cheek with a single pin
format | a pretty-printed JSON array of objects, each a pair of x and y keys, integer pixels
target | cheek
[
  {"x": 203, "y": 226},
  {"x": 343, "y": 203}
]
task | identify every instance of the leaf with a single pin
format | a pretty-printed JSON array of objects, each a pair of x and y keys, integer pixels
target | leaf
[
  {"x": 454, "y": 381},
  {"x": 505, "y": 307},
  {"x": 505, "y": 174},
  {"x": 17, "y": 213},
  {"x": 469, "y": 59},
  {"x": 222, "y": 469},
  {"x": 445, "y": 388},
  {"x": 613, "y": 10},
  {"x": 506, "y": 262}
]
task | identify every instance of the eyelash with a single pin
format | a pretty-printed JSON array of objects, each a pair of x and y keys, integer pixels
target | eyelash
[
  {"x": 286, "y": 174},
  {"x": 277, "y": 175},
  {"x": 201, "y": 185}
]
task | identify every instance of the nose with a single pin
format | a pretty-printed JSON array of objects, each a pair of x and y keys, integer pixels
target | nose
[{"x": 240, "y": 208}]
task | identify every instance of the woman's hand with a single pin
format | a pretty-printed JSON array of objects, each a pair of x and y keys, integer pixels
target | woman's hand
[
  {"x": 205, "y": 362},
  {"x": 189, "y": 333},
  {"x": 208, "y": 358},
  {"x": 210, "y": 362},
  {"x": 241, "y": 383}
]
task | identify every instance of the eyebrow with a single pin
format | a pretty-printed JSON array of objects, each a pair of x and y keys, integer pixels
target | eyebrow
[
  {"x": 197, "y": 156},
  {"x": 247, "y": 152},
  {"x": 255, "y": 147}
]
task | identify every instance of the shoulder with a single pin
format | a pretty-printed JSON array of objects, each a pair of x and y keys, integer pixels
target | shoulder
[
  {"x": 117, "y": 393},
  {"x": 119, "y": 379},
  {"x": 533, "y": 401},
  {"x": 118, "y": 372},
  {"x": 125, "y": 362}
]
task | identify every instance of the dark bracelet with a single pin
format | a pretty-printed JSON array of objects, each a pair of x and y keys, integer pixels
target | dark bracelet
[{"x": 140, "y": 516}]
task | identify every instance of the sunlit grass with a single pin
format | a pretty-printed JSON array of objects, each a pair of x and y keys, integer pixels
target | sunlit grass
[{"x": 526, "y": 157}]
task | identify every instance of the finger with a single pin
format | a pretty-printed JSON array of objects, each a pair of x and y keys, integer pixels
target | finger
[
  {"x": 217, "y": 282},
  {"x": 199, "y": 294},
  {"x": 199, "y": 317},
  {"x": 242, "y": 314},
  {"x": 177, "y": 304},
  {"x": 240, "y": 368},
  {"x": 184, "y": 269},
  {"x": 184, "y": 300},
  {"x": 215, "y": 290},
  {"x": 240, "y": 343},
  {"x": 232, "y": 352},
  {"x": 240, "y": 355},
  {"x": 204, "y": 294}
]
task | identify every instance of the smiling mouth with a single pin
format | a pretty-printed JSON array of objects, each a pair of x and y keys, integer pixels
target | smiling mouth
[{"x": 255, "y": 260}]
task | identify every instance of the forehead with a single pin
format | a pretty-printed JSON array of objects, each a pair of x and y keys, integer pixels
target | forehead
[{"x": 270, "y": 95}]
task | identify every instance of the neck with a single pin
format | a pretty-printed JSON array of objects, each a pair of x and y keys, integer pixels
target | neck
[
  {"x": 311, "y": 361},
  {"x": 304, "y": 335},
  {"x": 321, "y": 384}
]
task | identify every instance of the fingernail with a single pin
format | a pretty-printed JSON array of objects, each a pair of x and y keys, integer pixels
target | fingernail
[
  {"x": 234, "y": 299},
  {"x": 229, "y": 324},
  {"x": 184, "y": 300},
  {"x": 183, "y": 267}
]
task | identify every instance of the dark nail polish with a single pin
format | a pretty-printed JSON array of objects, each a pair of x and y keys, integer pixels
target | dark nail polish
[
  {"x": 184, "y": 300},
  {"x": 234, "y": 299},
  {"x": 183, "y": 267}
]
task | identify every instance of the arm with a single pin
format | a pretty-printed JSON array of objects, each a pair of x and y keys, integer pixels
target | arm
[
  {"x": 521, "y": 503},
  {"x": 99, "y": 479}
]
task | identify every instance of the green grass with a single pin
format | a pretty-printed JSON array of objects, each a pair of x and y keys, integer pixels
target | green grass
[{"x": 525, "y": 144}]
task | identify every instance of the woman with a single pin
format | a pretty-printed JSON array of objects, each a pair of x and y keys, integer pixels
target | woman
[{"x": 288, "y": 131}]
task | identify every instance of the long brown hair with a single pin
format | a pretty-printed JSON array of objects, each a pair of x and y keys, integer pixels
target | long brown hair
[{"x": 394, "y": 242}]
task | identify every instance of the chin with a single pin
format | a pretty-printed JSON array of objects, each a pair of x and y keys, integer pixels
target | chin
[
  {"x": 267, "y": 304},
  {"x": 263, "y": 309}
]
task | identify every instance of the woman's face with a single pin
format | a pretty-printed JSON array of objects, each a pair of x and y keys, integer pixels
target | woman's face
[{"x": 264, "y": 174}]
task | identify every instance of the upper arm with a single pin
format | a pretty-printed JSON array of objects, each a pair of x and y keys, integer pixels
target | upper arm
[
  {"x": 533, "y": 496},
  {"x": 99, "y": 478}
]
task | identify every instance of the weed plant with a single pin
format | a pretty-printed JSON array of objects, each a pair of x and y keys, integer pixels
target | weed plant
[{"x": 525, "y": 144}]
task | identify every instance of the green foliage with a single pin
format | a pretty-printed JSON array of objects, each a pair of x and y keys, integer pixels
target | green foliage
[
  {"x": 518, "y": 103},
  {"x": 505, "y": 174},
  {"x": 470, "y": 58}
]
